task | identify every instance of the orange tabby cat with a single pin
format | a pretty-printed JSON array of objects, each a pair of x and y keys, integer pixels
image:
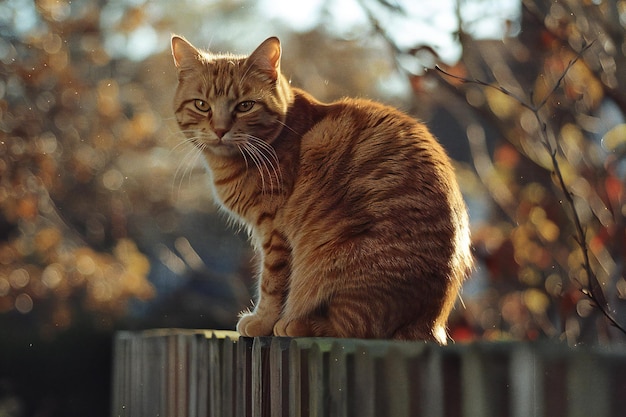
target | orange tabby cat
[{"x": 352, "y": 206}]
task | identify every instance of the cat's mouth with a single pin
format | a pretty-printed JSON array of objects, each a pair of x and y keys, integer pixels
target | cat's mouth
[{"x": 217, "y": 146}]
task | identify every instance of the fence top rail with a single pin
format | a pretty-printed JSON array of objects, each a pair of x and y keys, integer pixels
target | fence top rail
[{"x": 381, "y": 347}]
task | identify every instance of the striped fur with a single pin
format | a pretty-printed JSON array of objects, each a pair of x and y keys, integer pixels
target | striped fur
[{"x": 352, "y": 206}]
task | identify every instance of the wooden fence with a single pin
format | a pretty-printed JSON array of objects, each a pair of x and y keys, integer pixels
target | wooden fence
[{"x": 188, "y": 373}]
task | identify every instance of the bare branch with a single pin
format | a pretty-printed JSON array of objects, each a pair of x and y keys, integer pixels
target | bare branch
[
  {"x": 488, "y": 85},
  {"x": 557, "y": 85},
  {"x": 593, "y": 290}
]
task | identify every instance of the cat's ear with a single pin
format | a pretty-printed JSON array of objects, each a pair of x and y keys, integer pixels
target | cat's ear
[
  {"x": 184, "y": 53},
  {"x": 267, "y": 57}
]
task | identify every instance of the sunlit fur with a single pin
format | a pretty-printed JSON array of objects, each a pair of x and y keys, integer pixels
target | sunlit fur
[{"x": 352, "y": 206}]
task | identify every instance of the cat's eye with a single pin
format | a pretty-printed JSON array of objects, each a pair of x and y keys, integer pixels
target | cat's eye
[
  {"x": 245, "y": 106},
  {"x": 202, "y": 105}
]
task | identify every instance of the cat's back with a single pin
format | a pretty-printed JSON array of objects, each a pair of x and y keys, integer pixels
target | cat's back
[
  {"x": 349, "y": 116},
  {"x": 366, "y": 164},
  {"x": 361, "y": 137}
]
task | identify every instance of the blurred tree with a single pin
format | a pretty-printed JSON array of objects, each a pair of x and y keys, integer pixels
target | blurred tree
[
  {"x": 86, "y": 152},
  {"x": 535, "y": 270},
  {"x": 64, "y": 124}
]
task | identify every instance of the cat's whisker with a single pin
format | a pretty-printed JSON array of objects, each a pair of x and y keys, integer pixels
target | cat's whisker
[
  {"x": 194, "y": 137},
  {"x": 287, "y": 126},
  {"x": 272, "y": 158},
  {"x": 245, "y": 158},
  {"x": 263, "y": 163},
  {"x": 181, "y": 144},
  {"x": 187, "y": 164},
  {"x": 184, "y": 166},
  {"x": 184, "y": 160},
  {"x": 252, "y": 153}
]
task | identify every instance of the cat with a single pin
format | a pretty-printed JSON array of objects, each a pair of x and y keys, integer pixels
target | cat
[{"x": 353, "y": 206}]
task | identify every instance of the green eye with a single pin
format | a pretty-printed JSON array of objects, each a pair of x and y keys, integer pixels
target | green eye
[
  {"x": 245, "y": 106},
  {"x": 202, "y": 105}
]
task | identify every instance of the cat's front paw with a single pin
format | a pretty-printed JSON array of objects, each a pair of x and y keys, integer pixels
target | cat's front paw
[
  {"x": 294, "y": 328},
  {"x": 253, "y": 325}
]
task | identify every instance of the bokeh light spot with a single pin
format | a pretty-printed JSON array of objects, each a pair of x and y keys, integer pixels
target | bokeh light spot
[
  {"x": 86, "y": 265},
  {"x": 19, "y": 278},
  {"x": 5, "y": 287},
  {"x": 51, "y": 276},
  {"x": 24, "y": 303},
  {"x": 113, "y": 179}
]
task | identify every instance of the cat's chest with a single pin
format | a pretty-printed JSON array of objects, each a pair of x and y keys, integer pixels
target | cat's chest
[{"x": 247, "y": 199}]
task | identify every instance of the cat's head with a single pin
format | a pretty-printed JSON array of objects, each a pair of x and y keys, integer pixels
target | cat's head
[{"x": 225, "y": 101}]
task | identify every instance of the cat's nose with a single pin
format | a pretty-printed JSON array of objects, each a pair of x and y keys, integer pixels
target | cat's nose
[{"x": 220, "y": 132}]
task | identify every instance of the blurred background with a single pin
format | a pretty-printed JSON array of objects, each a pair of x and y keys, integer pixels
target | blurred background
[{"x": 107, "y": 222}]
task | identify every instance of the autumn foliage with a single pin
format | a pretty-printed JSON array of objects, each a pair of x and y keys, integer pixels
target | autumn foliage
[{"x": 92, "y": 175}]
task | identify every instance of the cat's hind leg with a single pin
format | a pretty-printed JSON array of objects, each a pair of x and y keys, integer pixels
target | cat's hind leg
[
  {"x": 346, "y": 315},
  {"x": 295, "y": 328}
]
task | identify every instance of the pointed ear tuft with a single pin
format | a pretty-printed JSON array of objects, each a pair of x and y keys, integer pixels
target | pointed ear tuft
[
  {"x": 184, "y": 53},
  {"x": 267, "y": 57}
]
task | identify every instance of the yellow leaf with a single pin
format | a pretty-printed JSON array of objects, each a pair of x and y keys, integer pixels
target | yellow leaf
[
  {"x": 536, "y": 301},
  {"x": 502, "y": 105},
  {"x": 615, "y": 139}
]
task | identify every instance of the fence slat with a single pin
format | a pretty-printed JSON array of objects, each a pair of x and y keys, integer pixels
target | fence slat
[
  {"x": 194, "y": 373},
  {"x": 317, "y": 389},
  {"x": 299, "y": 378},
  {"x": 228, "y": 349},
  {"x": 526, "y": 388},
  {"x": 338, "y": 380},
  {"x": 260, "y": 377},
  {"x": 362, "y": 404},
  {"x": 243, "y": 378},
  {"x": 588, "y": 386},
  {"x": 279, "y": 377}
]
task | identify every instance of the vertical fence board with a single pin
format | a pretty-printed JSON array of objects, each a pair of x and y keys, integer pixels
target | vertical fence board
[
  {"x": 616, "y": 364},
  {"x": 495, "y": 360},
  {"x": 188, "y": 371},
  {"x": 228, "y": 348},
  {"x": 256, "y": 380},
  {"x": 362, "y": 402},
  {"x": 397, "y": 384},
  {"x": 196, "y": 366},
  {"x": 136, "y": 398},
  {"x": 526, "y": 386},
  {"x": 299, "y": 402},
  {"x": 203, "y": 368},
  {"x": 554, "y": 365},
  {"x": 474, "y": 402},
  {"x": 215, "y": 367},
  {"x": 294, "y": 379},
  {"x": 121, "y": 375},
  {"x": 171, "y": 380},
  {"x": 152, "y": 360},
  {"x": 243, "y": 378},
  {"x": 316, "y": 385},
  {"x": 587, "y": 386},
  {"x": 260, "y": 377},
  {"x": 337, "y": 381},
  {"x": 430, "y": 361},
  {"x": 453, "y": 394},
  {"x": 279, "y": 377}
]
